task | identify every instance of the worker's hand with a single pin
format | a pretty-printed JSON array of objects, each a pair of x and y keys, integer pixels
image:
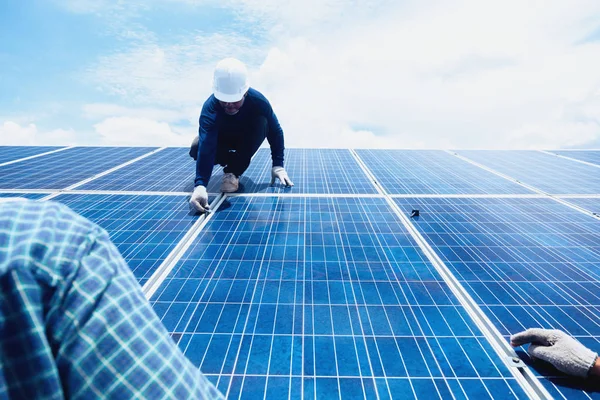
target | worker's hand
[
  {"x": 199, "y": 199},
  {"x": 558, "y": 348},
  {"x": 279, "y": 173}
]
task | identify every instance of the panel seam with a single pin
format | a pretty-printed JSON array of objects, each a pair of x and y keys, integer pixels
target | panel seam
[
  {"x": 556, "y": 198},
  {"x": 526, "y": 379},
  {"x": 165, "y": 268},
  {"x": 36, "y": 156}
]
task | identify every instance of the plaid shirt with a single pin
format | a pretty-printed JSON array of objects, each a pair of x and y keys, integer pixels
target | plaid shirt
[{"x": 74, "y": 322}]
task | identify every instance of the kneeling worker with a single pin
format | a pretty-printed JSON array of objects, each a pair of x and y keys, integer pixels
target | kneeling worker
[{"x": 235, "y": 120}]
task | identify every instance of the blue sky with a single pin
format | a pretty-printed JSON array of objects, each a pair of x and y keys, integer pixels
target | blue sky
[{"x": 361, "y": 73}]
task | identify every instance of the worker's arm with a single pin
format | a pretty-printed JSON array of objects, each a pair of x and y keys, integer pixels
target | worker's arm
[
  {"x": 207, "y": 142},
  {"x": 274, "y": 136},
  {"x": 559, "y": 349},
  {"x": 205, "y": 159},
  {"x": 75, "y": 321},
  {"x": 275, "y": 139}
]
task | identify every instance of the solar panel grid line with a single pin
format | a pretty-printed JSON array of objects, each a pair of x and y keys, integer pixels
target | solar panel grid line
[
  {"x": 460, "y": 196},
  {"x": 550, "y": 174},
  {"x": 346, "y": 172},
  {"x": 523, "y": 374},
  {"x": 443, "y": 347},
  {"x": 389, "y": 323},
  {"x": 576, "y": 207},
  {"x": 346, "y": 262},
  {"x": 245, "y": 373},
  {"x": 170, "y": 170},
  {"x": 305, "y": 195},
  {"x": 569, "y": 158},
  {"x": 35, "y": 156},
  {"x": 578, "y": 196},
  {"x": 60, "y": 170},
  {"x": 32, "y": 196},
  {"x": 381, "y": 385},
  {"x": 432, "y": 172},
  {"x": 273, "y": 333},
  {"x": 104, "y": 192},
  {"x": 560, "y": 305},
  {"x": 200, "y": 317},
  {"x": 37, "y": 191},
  {"x": 157, "y": 278},
  {"x": 325, "y": 171},
  {"x": 558, "y": 199},
  {"x": 361, "y": 323},
  {"x": 507, "y": 177},
  {"x": 144, "y": 228},
  {"x": 252, "y": 297},
  {"x": 367, "y": 171},
  {"x": 116, "y": 168}
]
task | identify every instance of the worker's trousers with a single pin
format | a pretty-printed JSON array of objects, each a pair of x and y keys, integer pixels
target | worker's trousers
[{"x": 237, "y": 144}]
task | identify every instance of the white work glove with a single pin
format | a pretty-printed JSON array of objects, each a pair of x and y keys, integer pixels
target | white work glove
[
  {"x": 279, "y": 173},
  {"x": 565, "y": 353},
  {"x": 199, "y": 199}
]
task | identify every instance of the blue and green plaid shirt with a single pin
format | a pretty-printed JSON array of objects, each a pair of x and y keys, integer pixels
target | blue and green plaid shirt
[{"x": 74, "y": 322}]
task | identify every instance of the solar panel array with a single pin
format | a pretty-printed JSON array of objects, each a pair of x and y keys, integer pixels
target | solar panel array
[
  {"x": 587, "y": 156},
  {"x": 329, "y": 289}
]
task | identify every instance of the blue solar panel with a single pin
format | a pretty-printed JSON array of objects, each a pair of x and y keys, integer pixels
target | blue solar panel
[
  {"x": 527, "y": 262},
  {"x": 589, "y": 203},
  {"x": 169, "y": 170},
  {"x": 11, "y": 153},
  {"x": 432, "y": 172},
  {"x": 144, "y": 228},
  {"x": 329, "y": 171},
  {"x": 323, "y": 297},
  {"x": 546, "y": 172},
  {"x": 32, "y": 196},
  {"x": 589, "y": 156},
  {"x": 65, "y": 168}
]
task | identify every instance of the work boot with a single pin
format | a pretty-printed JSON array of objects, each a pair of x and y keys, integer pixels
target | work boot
[{"x": 230, "y": 183}]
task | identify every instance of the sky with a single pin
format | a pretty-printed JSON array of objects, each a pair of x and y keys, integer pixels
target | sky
[{"x": 463, "y": 74}]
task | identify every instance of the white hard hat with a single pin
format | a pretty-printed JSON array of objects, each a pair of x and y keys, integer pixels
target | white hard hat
[{"x": 230, "y": 81}]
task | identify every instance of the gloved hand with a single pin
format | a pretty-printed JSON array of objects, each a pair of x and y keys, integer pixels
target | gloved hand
[
  {"x": 279, "y": 173},
  {"x": 199, "y": 199},
  {"x": 557, "y": 348}
]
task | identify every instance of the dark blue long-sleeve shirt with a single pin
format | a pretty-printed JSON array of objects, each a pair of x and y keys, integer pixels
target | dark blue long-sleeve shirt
[{"x": 211, "y": 119}]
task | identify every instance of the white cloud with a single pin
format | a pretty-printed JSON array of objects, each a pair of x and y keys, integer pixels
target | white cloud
[
  {"x": 470, "y": 74},
  {"x": 163, "y": 114},
  {"x": 449, "y": 77},
  {"x": 173, "y": 76},
  {"x": 13, "y": 134},
  {"x": 127, "y": 131}
]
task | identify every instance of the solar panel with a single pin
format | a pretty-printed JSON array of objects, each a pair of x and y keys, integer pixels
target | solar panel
[
  {"x": 323, "y": 297},
  {"x": 32, "y": 196},
  {"x": 144, "y": 228},
  {"x": 527, "y": 262},
  {"x": 546, "y": 172},
  {"x": 12, "y": 153},
  {"x": 432, "y": 172},
  {"x": 591, "y": 204},
  {"x": 588, "y": 156},
  {"x": 316, "y": 171},
  {"x": 169, "y": 170},
  {"x": 62, "y": 169},
  {"x": 325, "y": 294}
]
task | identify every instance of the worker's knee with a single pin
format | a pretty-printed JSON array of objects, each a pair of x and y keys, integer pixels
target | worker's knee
[{"x": 194, "y": 148}]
